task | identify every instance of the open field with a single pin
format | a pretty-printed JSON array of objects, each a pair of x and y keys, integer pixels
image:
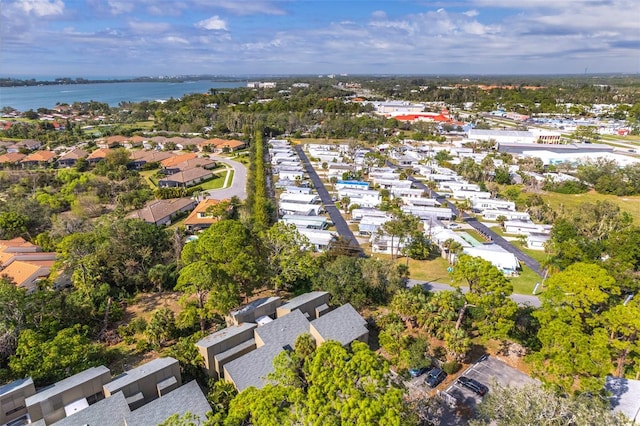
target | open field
[
  {"x": 572, "y": 201},
  {"x": 216, "y": 183}
]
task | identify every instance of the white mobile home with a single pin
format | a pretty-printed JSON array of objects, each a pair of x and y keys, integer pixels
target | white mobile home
[
  {"x": 319, "y": 240},
  {"x": 510, "y": 215},
  {"x": 362, "y": 197},
  {"x": 525, "y": 227},
  {"x": 424, "y": 212},
  {"x": 482, "y": 204},
  {"x": 470, "y": 195}
]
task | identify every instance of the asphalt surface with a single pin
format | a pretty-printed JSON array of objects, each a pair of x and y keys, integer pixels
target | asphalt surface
[
  {"x": 238, "y": 186},
  {"x": 520, "y": 299},
  {"x": 336, "y": 217},
  {"x": 481, "y": 228}
]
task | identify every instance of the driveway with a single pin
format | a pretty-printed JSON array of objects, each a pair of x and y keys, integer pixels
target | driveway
[
  {"x": 336, "y": 217},
  {"x": 481, "y": 228},
  {"x": 238, "y": 186},
  {"x": 520, "y": 299}
]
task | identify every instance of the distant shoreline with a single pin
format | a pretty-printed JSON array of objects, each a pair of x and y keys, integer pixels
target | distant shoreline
[{"x": 16, "y": 82}]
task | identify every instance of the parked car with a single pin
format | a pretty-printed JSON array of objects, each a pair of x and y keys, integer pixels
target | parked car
[
  {"x": 454, "y": 226},
  {"x": 435, "y": 377},
  {"x": 473, "y": 385},
  {"x": 415, "y": 372}
]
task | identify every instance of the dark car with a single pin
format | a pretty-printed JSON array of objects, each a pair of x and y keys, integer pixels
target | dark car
[
  {"x": 435, "y": 377},
  {"x": 473, "y": 385},
  {"x": 415, "y": 372}
]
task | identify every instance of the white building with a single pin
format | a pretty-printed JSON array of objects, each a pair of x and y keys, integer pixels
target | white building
[
  {"x": 499, "y": 257},
  {"x": 362, "y": 197},
  {"x": 525, "y": 227},
  {"x": 482, "y": 204},
  {"x": 510, "y": 215}
]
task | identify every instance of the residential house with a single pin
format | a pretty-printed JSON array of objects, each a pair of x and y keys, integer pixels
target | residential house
[
  {"x": 38, "y": 159},
  {"x": 189, "y": 177},
  {"x": 201, "y": 162},
  {"x": 319, "y": 240},
  {"x": 11, "y": 159},
  {"x": 70, "y": 158},
  {"x": 272, "y": 328},
  {"x": 369, "y": 225},
  {"x": 507, "y": 262},
  {"x": 200, "y": 218},
  {"x": 98, "y": 155},
  {"x": 142, "y": 157},
  {"x": 407, "y": 193},
  {"x": 24, "y": 145},
  {"x": 222, "y": 145},
  {"x": 460, "y": 194},
  {"x": 111, "y": 142},
  {"x": 351, "y": 184},
  {"x": 537, "y": 241},
  {"x": 147, "y": 382},
  {"x": 161, "y": 212},
  {"x": 525, "y": 227},
  {"x": 300, "y": 221},
  {"x": 510, "y": 215},
  {"x": 488, "y": 204},
  {"x": 68, "y": 396},
  {"x": 171, "y": 162},
  {"x": 27, "y": 274},
  {"x": 427, "y": 212},
  {"x": 361, "y": 197},
  {"x": 387, "y": 244}
]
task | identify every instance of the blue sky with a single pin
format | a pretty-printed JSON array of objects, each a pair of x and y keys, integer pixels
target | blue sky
[{"x": 84, "y": 38}]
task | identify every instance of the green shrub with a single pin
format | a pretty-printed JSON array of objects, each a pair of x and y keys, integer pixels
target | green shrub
[{"x": 451, "y": 367}]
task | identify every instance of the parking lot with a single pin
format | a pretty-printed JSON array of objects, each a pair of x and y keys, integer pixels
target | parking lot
[{"x": 488, "y": 370}]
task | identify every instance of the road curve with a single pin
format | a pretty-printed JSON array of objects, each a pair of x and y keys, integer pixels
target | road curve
[
  {"x": 481, "y": 228},
  {"x": 520, "y": 299},
  {"x": 336, "y": 217},
  {"x": 238, "y": 186}
]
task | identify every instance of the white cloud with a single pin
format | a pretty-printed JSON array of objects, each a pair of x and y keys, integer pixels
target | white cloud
[
  {"x": 118, "y": 7},
  {"x": 42, "y": 7},
  {"x": 149, "y": 27},
  {"x": 471, "y": 13},
  {"x": 214, "y": 23},
  {"x": 379, "y": 14},
  {"x": 246, "y": 7},
  {"x": 176, "y": 40}
]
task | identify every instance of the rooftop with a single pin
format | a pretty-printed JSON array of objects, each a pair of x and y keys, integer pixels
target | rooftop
[
  {"x": 68, "y": 383},
  {"x": 343, "y": 325},
  {"x": 224, "y": 334},
  {"x": 10, "y": 387},
  {"x": 137, "y": 373},
  {"x": 107, "y": 412},
  {"x": 187, "y": 398},
  {"x": 283, "y": 331},
  {"x": 302, "y": 299}
]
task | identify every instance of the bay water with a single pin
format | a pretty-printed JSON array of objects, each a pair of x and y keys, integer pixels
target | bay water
[{"x": 25, "y": 98}]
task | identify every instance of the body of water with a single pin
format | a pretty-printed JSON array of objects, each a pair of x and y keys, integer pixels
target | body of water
[{"x": 34, "y": 97}]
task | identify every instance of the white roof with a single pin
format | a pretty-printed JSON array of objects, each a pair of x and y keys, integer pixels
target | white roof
[{"x": 494, "y": 254}]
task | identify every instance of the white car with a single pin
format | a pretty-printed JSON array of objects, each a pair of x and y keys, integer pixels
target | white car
[{"x": 454, "y": 226}]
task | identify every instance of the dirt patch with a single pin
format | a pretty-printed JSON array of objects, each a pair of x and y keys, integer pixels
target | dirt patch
[{"x": 145, "y": 303}]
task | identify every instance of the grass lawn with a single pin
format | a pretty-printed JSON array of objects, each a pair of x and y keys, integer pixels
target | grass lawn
[
  {"x": 148, "y": 177},
  {"x": 525, "y": 282},
  {"x": 572, "y": 201},
  {"x": 215, "y": 183}
]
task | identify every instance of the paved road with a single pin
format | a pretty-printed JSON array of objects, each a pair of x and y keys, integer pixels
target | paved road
[
  {"x": 336, "y": 217},
  {"x": 238, "y": 187},
  {"x": 520, "y": 299},
  {"x": 482, "y": 229}
]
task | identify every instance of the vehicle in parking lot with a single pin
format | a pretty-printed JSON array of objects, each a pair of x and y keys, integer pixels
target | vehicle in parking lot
[
  {"x": 473, "y": 385},
  {"x": 454, "y": 226},
  {"x": 415, "y": 372},
  {"x": 435, "y": 377}
]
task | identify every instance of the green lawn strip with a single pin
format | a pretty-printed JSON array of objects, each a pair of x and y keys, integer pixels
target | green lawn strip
[
  {"x": 148, "y": 176},
  {"x": 525, "y": 281},
  {"x": 215, "y": 183},
  {"x": 230, "y": 181}
]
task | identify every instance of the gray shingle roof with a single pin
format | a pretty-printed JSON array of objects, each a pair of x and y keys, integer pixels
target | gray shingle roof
[
  {"x": 252, "y": 368},
  {"x": 284, "y": 330},
  {"x": 107, "y": 412},
  {"x": 137, "y": 373},
  {"x": 68, "y": 383},
  {"x": 224, "y": 334},
  {"x": 343, "y": 325},
  {"x": 301, "y": 300},
  {"x": 186, "y": 399}
]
